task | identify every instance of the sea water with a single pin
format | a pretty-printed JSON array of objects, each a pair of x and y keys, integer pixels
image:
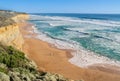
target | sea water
[{"x": 94, "y": 37}]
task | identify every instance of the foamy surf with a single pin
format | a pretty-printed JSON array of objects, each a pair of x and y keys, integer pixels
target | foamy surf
[
  {"x": 75, "y": 20},
  {"x": 81, "y": 56}
]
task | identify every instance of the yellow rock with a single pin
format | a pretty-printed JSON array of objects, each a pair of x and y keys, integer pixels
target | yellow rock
[{"x": 11, "y": 35}]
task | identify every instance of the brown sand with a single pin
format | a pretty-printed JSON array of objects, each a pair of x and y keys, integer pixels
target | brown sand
[{"x": 55, "y": 60}]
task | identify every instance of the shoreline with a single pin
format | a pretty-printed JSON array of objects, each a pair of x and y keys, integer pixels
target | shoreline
[
  {"x": 81, "y": 56},
  {"x": 59, "y": 63}
]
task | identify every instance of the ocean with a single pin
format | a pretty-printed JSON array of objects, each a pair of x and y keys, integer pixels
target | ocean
[{"x": 94, "y": 37}]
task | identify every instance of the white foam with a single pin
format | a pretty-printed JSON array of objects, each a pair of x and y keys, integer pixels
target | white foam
[
  {"x": 75, "y": 20},
  {"x": 81, "y": 57},
  {"x": 117, "y": 37}
]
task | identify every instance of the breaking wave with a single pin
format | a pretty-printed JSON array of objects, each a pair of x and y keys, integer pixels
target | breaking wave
[{"x": 94, "y": 41}]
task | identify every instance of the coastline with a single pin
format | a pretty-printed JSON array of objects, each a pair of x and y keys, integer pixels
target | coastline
[
  {"x": 49, "y": 58},
  {"x": 82, "y": 57}
]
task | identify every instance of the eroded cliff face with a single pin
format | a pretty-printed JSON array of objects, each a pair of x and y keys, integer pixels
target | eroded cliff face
[
  {"x": 20, "y": 18},
  {"x": 10, "y": 35}
]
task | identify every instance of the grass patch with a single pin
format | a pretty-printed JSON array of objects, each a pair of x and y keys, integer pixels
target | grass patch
[{"x": 12, "y": 57}]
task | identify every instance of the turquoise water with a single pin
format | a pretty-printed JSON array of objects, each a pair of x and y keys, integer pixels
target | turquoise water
[{"x": 97, "y": 33}]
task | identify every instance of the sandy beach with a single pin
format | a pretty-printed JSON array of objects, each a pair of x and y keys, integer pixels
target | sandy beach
[{"x": 51, "y": 59}]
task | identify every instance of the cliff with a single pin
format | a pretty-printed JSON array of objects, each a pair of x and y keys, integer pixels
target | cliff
[
  {"x": 9, "y": 32},
  {"x": 20, "y": 17},
  {"x": 14, "y": 66},
  {"x": 10, "y": 35}
]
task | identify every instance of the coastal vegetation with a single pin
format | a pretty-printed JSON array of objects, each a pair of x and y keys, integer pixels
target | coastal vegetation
[{"x": 14, "y": 66}]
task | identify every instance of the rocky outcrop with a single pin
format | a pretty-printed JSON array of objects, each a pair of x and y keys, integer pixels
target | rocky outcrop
[
  {"x": 4, "y": 77},
  {"x": 10, "y": 34}
]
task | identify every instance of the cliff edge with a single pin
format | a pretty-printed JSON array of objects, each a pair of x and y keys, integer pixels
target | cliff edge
[{"x": 9, "y": 28}]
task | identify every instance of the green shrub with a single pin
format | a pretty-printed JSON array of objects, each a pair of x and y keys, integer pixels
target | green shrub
[
  {"x": 12, "y": 58},
  {"x": 3, "y": 70}
]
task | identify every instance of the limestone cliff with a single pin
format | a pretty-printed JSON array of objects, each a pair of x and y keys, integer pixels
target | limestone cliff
[
  {"x": 20, "y": 17},
  {"x": 10, "y": 34}
]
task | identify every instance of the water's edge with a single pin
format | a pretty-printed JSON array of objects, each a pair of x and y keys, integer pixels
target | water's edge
[
  {"x": 81, "y": 57},
  {"x": 45, "y": 26}
]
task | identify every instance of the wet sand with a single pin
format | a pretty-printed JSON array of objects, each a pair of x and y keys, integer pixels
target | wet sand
[{"x": 49, "y": 58}]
